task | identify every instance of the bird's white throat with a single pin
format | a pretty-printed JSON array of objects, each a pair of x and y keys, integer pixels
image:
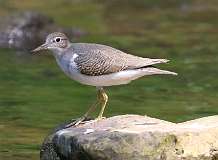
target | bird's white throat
[{"x": 57, "y": 52}]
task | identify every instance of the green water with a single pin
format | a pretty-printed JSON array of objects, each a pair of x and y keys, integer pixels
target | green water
[{"x": 35, "y": 95}]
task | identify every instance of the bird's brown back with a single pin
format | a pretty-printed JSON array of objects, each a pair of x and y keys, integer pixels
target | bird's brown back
[{"x": 96, "y": 59}]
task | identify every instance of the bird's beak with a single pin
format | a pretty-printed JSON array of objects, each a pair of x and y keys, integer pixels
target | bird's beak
[{"x": 42, "y": 47}]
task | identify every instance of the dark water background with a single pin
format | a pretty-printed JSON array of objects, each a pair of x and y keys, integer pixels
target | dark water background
[{"x": 35, "y": 95}]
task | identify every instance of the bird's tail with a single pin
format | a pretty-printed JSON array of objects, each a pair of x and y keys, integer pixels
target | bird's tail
[{"x": 153, "y": 70}]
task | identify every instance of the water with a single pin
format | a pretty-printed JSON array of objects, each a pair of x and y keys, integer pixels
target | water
[{"x": 35, "y": 95}]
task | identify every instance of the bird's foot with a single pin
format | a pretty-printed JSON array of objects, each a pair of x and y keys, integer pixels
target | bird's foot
[
  {"x": 94, "y": 120},
  {"x": 100, "y": 118},
  {"x": 81, "y": 120}
]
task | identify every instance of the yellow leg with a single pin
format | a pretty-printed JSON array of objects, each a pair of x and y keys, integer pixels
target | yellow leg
[
  {"x": 91, "y": 109},
  {"x": 103, "y": 98},
  {"x": 79, "y": 120}
]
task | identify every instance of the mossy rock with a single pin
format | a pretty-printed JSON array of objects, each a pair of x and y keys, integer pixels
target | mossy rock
[{"x": 133, "y": 137}]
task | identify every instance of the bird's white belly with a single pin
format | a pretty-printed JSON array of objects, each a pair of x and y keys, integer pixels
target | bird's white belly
[{"x": 118, "y": 78}]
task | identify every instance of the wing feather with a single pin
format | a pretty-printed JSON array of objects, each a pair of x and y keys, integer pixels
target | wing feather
[{"x": 95, "y": 59}]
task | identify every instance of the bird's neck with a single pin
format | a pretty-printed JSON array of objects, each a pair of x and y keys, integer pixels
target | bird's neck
[{"x": 59, "y": 52}]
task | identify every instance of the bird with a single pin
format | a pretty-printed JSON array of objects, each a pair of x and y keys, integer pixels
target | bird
[{"x": 98, "y": 65}]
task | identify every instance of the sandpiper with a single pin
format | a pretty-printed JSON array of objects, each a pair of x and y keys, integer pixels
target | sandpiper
[{"x": 98, "y": 65}]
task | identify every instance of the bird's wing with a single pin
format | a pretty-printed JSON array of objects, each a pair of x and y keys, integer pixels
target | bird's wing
[{"x": 95, "y": 60}]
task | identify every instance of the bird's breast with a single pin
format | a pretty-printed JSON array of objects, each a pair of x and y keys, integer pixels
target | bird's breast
[{"x": 67, "y": 65}]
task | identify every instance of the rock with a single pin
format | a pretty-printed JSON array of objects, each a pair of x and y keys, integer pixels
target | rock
[
  {"x": 134, "y": 137},
  {"x": 25, "y": 31}
]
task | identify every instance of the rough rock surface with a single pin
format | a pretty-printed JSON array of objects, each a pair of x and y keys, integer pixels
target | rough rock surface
[
  {"x": 134, "y": 137},
  {"x": 26, "y": 30}
]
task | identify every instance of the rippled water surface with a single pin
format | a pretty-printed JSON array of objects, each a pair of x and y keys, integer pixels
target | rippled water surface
[{"x": 35, "y": 95}]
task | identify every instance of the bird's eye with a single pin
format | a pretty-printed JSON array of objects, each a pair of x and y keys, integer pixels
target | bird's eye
[{"x": 57, "y": 39}]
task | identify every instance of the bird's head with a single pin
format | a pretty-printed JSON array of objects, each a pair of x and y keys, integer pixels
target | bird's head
[{"x": 55, "y": 41}]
